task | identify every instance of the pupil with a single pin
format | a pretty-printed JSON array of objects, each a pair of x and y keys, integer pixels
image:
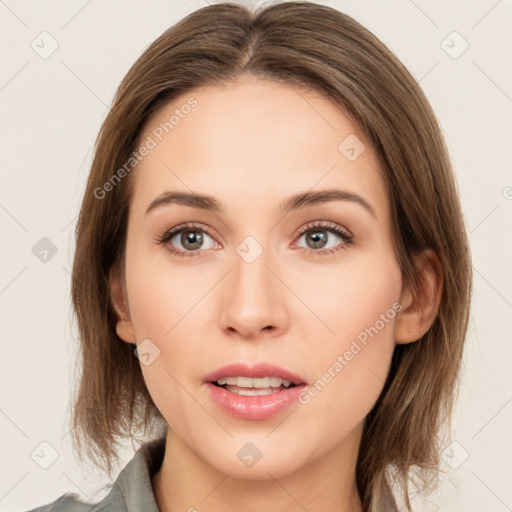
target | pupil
[
  {"x": 319, "y": 238},
  {"x": 195, "y": 238}
]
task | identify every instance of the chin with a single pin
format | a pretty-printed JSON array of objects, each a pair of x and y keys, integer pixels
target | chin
[{"x": 255, "y": 460}]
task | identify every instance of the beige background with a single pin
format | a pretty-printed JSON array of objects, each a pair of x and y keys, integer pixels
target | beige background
[{"x": 51, "y": 110}]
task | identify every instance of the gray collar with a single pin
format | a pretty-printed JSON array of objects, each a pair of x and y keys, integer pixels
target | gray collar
[{"x": 133, "y": 491}]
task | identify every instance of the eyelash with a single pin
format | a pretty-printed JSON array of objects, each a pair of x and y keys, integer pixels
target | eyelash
[{"x": 348, "y": 238}]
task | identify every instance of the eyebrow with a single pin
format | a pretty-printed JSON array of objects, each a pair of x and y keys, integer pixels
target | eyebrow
[{"x": 295, "y": 202}]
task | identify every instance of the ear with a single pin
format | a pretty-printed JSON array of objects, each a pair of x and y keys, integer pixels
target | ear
[
  {"x": 420, "y": 309},
  {"x": 124, "y": 326}
]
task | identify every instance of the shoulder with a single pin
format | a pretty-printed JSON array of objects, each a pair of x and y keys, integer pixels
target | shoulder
[
  {"x": 68, "y": 502},
  {"x": 71, "y": 502}
]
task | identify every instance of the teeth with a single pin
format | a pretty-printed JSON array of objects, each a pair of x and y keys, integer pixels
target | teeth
[
  {"x": 259, "y": 383},
  {"x": 250, "y": 391}
]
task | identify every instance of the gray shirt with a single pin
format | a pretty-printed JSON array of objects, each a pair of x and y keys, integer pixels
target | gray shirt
[{"x": 133, "y": 492}]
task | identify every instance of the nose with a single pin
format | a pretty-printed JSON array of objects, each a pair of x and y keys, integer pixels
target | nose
[{"x": 253, "y": 299}]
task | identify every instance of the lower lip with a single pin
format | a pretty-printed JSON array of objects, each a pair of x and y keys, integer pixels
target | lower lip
[{"x": 254, "y": 407}]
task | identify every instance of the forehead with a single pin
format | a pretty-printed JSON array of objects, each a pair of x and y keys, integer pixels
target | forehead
[{"x": 256, "y": 138}]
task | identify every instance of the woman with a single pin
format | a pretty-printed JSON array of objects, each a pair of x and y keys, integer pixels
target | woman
[{"x": 272, "y": 276}]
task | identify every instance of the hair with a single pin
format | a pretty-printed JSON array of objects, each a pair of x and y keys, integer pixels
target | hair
[{"x": 315, "y": 48}]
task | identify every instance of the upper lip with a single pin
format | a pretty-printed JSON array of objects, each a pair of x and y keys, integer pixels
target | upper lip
[{"x": 257, "y": 370}]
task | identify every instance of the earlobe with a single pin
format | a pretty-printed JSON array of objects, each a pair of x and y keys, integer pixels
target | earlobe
[
  {"x": 420, "y": 309},
  {"x": 124, "y": 326},
  {"x": 124, "y": 330}
]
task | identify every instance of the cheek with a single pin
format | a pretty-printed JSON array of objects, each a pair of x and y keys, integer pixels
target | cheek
[
  {"x": 352, "y": 360},
  {"x": 345, "y": 301},
  {"x": 161, "y": 294},
  {"x": 169, "y": 305}
]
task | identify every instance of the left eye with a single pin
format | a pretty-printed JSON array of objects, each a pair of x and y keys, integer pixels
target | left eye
[{"x": 318, "y": 238}]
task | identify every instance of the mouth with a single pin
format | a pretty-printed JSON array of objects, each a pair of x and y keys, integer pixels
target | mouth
[{"x": 254, "y": 392}]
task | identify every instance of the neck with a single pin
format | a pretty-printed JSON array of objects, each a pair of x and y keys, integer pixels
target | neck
[{"x": 187, "y": 482}]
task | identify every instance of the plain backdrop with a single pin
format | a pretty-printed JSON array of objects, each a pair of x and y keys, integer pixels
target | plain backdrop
[{"x": 60, "y": 65}]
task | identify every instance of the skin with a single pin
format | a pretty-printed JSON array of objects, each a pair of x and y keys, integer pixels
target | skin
[{"x": 251, "y": 144}]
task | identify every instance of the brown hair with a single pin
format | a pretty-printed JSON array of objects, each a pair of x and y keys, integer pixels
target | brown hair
[{"x": 321, "y": 49}]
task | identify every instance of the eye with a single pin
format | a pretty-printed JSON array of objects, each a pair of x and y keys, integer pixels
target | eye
[
  {"x": 187, "y": 239},
  {"x": 323, "y": 237}
]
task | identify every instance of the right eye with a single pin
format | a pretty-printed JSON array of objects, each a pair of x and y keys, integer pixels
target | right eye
[{"x": 190, "y": 238}]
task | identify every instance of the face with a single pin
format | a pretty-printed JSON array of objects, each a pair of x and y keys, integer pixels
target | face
[{"x": 311, "y": 286}]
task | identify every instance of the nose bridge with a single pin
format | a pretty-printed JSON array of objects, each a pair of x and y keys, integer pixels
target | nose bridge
[{"x": 252, "y": 300}]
